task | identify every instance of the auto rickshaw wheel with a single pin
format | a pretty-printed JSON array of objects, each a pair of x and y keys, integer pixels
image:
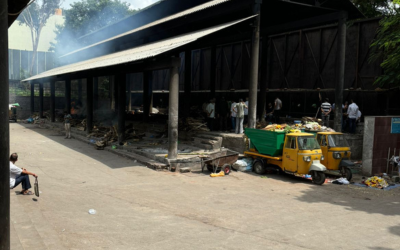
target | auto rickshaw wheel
[
  {"x": 226, "y": 168},
  {"x": 259, "y": 167},
  {"x": 346, "y": 172},
  {"x": 318, "y": 177}
]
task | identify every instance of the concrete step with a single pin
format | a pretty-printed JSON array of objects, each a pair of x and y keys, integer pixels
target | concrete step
[{"x": 208, "y": 142}]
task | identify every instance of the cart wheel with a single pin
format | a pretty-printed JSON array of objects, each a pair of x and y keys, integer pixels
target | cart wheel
[
  {"x": 318, "y": 177},
  {"x": 346, "y": 172},
  {"x": 210, "y": 168},
  {"x": 226, "y": 168},
  {"x": 259, "y": 167}
]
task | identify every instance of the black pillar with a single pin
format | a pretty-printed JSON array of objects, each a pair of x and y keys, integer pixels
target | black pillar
[
  {"x": 263, "y": 83},
  {"x": 121, "y": 83},
  {"x": 213, "y": 71},
  {"x": 68, "y": 95},
  {"x": 53, "y": 100},
  {"x": 116, "y": 100},
  {"x": 80, "y": 91},
  {"x": 255, "y": 50},
  {"x": 188, "y": 81},
  {"x": 89, "y": 104},
  {"x": 4, "y": 132},
  {"x": 41, "y": 107},
  {"x": 95, "y": 93},
  {"x": 32, "y": 97},
  {"x": 128, "y": 92},
  {"x": 340, "y": 66},
  {"x": 147, "y": 93}
]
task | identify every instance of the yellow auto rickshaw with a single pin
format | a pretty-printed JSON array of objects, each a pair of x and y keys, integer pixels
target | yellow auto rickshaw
[{"x": 336, "y": 153}]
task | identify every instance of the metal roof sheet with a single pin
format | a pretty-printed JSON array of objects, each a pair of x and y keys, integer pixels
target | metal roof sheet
[
  {"x": 135, "y": 54},
  {"x": 160, "y": 21}
]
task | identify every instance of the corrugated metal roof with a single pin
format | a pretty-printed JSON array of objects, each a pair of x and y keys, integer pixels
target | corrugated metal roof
[
  {"x": 135, "y": 54},
  {"x": 163, "y": 20}
]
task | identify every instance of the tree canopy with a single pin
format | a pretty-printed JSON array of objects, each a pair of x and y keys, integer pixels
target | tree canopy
[
  {"x": 386, "y": 46},
  {"x": 85, "y": 17},
  {"x": 35, "y": 16}
]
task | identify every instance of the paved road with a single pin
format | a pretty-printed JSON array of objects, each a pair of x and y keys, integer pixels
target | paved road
[{"x": 138, "y": 208}]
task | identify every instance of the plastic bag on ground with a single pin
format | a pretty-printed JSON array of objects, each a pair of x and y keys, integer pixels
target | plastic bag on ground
[
  {"x": 243, "y": 165},
  {"x": 341, "y": 181}
]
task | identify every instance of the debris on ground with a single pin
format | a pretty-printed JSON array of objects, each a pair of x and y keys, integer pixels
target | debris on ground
[
  {"x": 243, "y": 165},
  {"x": 220, "y": 174}
]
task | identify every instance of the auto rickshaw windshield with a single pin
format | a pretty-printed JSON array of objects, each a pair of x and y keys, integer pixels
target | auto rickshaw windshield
[
  {"x": 308, "y": 143},
  {"x": 337, "y": 141}
]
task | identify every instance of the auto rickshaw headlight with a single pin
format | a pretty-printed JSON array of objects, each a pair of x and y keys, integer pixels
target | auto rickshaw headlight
[
  {"x": 322, "y": 158},
  {"x": 337, "y": 155},
  {"x": 307, "y": 158}
]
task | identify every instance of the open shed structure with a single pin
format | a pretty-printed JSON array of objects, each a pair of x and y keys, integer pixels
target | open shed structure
[{"x": 156, "y": 37}]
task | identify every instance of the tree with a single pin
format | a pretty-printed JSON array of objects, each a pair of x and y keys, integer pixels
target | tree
[
  {"x": 35, "y": 17},
  {"x": 374, "y": 8},
  {"x": 85, "y": 17},
  {"x": 386, "y": 46}
]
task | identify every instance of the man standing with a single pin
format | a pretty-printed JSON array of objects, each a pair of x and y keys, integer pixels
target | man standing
[
  {"x": 18, "y": 175},
  {"x": 233, "y": 115},
  {"x": 239, "y": 109},
  {"x": 270, "y": 113},
  {"x": 326, "y": 109},
  {"x": 352, "y": 114},
  {"x": 67, "y": 125},
  {"x": 211, "y": 114},
  {"x": 277, "y": 109}
]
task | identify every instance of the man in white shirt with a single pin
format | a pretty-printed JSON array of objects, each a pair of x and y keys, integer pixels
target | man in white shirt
[
  {"x": 239, "y": 109},
  {"x": 211, "y": 114},
  {"x": 277, "y": 109},
  {"x": 19, "y": 176},
  {"x": 233, "y": 115},
  {"x": 352, "y": 111}
]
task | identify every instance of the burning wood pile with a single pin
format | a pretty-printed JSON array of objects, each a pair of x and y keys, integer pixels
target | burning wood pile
[
  {"x": 108, "y": 135},
  {"x": 193, "y": 124}
]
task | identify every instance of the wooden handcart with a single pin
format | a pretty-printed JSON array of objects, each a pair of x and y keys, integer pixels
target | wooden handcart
[{"x": 221, "y": 160}]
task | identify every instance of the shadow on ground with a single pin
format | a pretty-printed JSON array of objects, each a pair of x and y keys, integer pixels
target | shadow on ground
[{"x": 86, "y": 149}]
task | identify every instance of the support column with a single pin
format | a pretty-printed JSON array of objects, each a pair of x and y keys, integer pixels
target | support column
[
  {"x": 147, "y": 94},
  {"x": 32, "y": 97},
  {"x": 89, "y": 104},
  {"x": 129, "y": 92},
  {"x": 41, "y": 100},
  {"x": 121, "y": 83},
  {"x": 80, "y": 91},
  {"x": 340, "y": 66},
  {"x": 53, "y": 100},
  {"x": 213, "y": 72},
  {"x": 173, "y": 112},
  {"x": 116, "y": 99},
  {"x": 68, "y": 95},
  {"x": 95, "y": 93},
  {"x": 188, "y": 81},
  {"x": 255, "y": 50},
  {"x": 4, "y": 132},
  {"x": 265, "y": 59}
]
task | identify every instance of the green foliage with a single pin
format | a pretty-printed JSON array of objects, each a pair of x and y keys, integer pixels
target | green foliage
[
  {"x": 386, "y": 46},
  {"x": 374, "y": 8},
  {"x": 87, "y": 16}
]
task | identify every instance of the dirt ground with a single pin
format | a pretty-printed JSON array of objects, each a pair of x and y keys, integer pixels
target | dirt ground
[{"x": 138, "y": 208}]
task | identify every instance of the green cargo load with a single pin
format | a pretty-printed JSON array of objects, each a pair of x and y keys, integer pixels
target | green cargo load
[{"x": 266, "y": 142}]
